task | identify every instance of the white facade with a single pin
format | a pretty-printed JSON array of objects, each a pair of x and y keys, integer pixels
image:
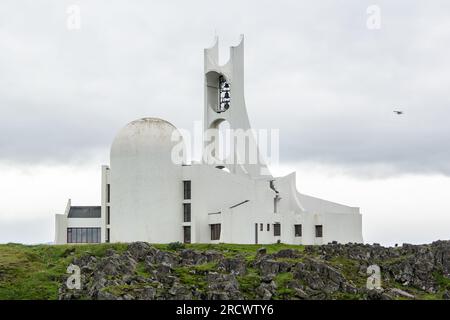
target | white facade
[{"x": 146, "y": 196}]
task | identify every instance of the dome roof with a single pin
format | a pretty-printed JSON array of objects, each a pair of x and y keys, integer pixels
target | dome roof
[
  {"x": 149, "y": 121},
  {"x": 145, "y": 132}
]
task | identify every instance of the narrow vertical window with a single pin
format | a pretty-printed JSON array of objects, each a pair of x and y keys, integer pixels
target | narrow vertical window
[
  {"x": 187, "y": 212},
  {"x": 107, "y": 235},
  {"x": 268, "y": 227},
  {"x": 108, "y": 193},
  {"x": 319, "y": 231},
  {"x": 83, "y": 235},
  {"x": 275, "y": 205},
  {"x": 298, "y": 230},
  {"x": 187, "y": 190},
  {"x": 108, "y": 214},
  {"x": 187, "y": 234}
]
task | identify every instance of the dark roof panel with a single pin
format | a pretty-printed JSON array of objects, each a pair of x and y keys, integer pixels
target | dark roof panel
[{"x": 85, "y": 212}]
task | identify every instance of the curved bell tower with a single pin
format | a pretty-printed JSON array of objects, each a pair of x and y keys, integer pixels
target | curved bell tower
[{"x": 224, "y": 102}]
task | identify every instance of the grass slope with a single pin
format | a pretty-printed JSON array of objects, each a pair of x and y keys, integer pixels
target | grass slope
[{"x": 34, "y": 272}]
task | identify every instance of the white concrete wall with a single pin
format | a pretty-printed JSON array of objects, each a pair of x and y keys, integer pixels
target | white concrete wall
[
  {"x": 315, "y": 204},
  {"x": 60, "y": 229},
  {"x": 146, "y": 186},
  {"x": 215, "y": 190},
  {"x": 85, "y": 223}
]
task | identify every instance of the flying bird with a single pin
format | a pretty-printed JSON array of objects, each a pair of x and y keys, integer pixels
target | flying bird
[{"x": 398, "y": 112}]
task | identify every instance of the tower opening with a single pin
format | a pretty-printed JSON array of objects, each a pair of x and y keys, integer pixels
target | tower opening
[{"x": 218, "y": 92}]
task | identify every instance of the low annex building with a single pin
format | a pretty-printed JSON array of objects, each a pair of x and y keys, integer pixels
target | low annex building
[{"x": 147, "y": 196}]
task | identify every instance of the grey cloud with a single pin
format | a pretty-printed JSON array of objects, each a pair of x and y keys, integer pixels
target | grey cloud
[{"x": 312, "y": 69}]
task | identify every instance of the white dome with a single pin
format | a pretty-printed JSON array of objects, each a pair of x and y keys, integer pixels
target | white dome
[
  {"x": 145, "y": 180},
  {"x": 145, "y": 132}
]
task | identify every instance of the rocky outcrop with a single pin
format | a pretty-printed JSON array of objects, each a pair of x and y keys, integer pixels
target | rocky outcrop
[{"x": 330, "y": 271}]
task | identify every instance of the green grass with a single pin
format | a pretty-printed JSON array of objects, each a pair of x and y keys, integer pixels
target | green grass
[
  {"x": 35, "y": 272},
  {"x": 249, "y": 282},
  {"x": 350, "y": 270},
  {"x": 248, "y": 251},
  {"x": 443, "y": 282},
  {"x": 241, "y": 248},
  {"x": 345, "y": 296},
  {"x": 141, "y": 270},
  {"x": 281, "y": 280},
  {"x": 191, "y": 279}
]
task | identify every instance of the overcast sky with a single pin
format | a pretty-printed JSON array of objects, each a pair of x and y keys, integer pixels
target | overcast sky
[{"x": 313, "y": 69}]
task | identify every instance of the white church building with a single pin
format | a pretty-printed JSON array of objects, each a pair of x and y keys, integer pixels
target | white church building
[{"x": 147, "y": 196}]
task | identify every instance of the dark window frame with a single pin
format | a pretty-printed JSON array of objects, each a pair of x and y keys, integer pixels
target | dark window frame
[
  {"x": 277, "y": 229},
  {"x": 69, "y": 235},
  {"x": 319, "y": 231},
  {"x": 187, "y": 212},
  {"x": 215, "y": 231},
  {"x": 187, "y": 231},
  {"x": 84, "y": 235},
  {"x": 298, "y": 230},
  {"x": 187, "y": 189}
]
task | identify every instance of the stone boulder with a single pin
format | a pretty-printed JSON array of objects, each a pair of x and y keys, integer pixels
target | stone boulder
[{"x": 235, "y": 266}]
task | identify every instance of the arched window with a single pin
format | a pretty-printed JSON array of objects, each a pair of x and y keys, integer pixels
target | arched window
[{"x": 218, "y": 92}]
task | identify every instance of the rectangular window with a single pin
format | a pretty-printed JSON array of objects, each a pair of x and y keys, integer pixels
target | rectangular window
[
  {"x": 187, "y": 190},
  {"x": 83, "y": 235},
  {"x": 275, "y": 202},
  {"x": 187, "y": 234},
  {"x": 215, "y": 231},
  {"x": 108, "y": 193},
  {"x": 90, "y": 235},
  {"x": 298, "y": 230},
  {"x": 187, "y": 212},
  {"x": 268, "y": 227},
  {"x": 108, "y": 215},
  {"x": 69, "y": 235},
  {"x": 319, "y": 231},
  {"x": 108, "y": 235},
  {"x": 261, "y": 227},
  {"x": 277, "y": 229}
]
